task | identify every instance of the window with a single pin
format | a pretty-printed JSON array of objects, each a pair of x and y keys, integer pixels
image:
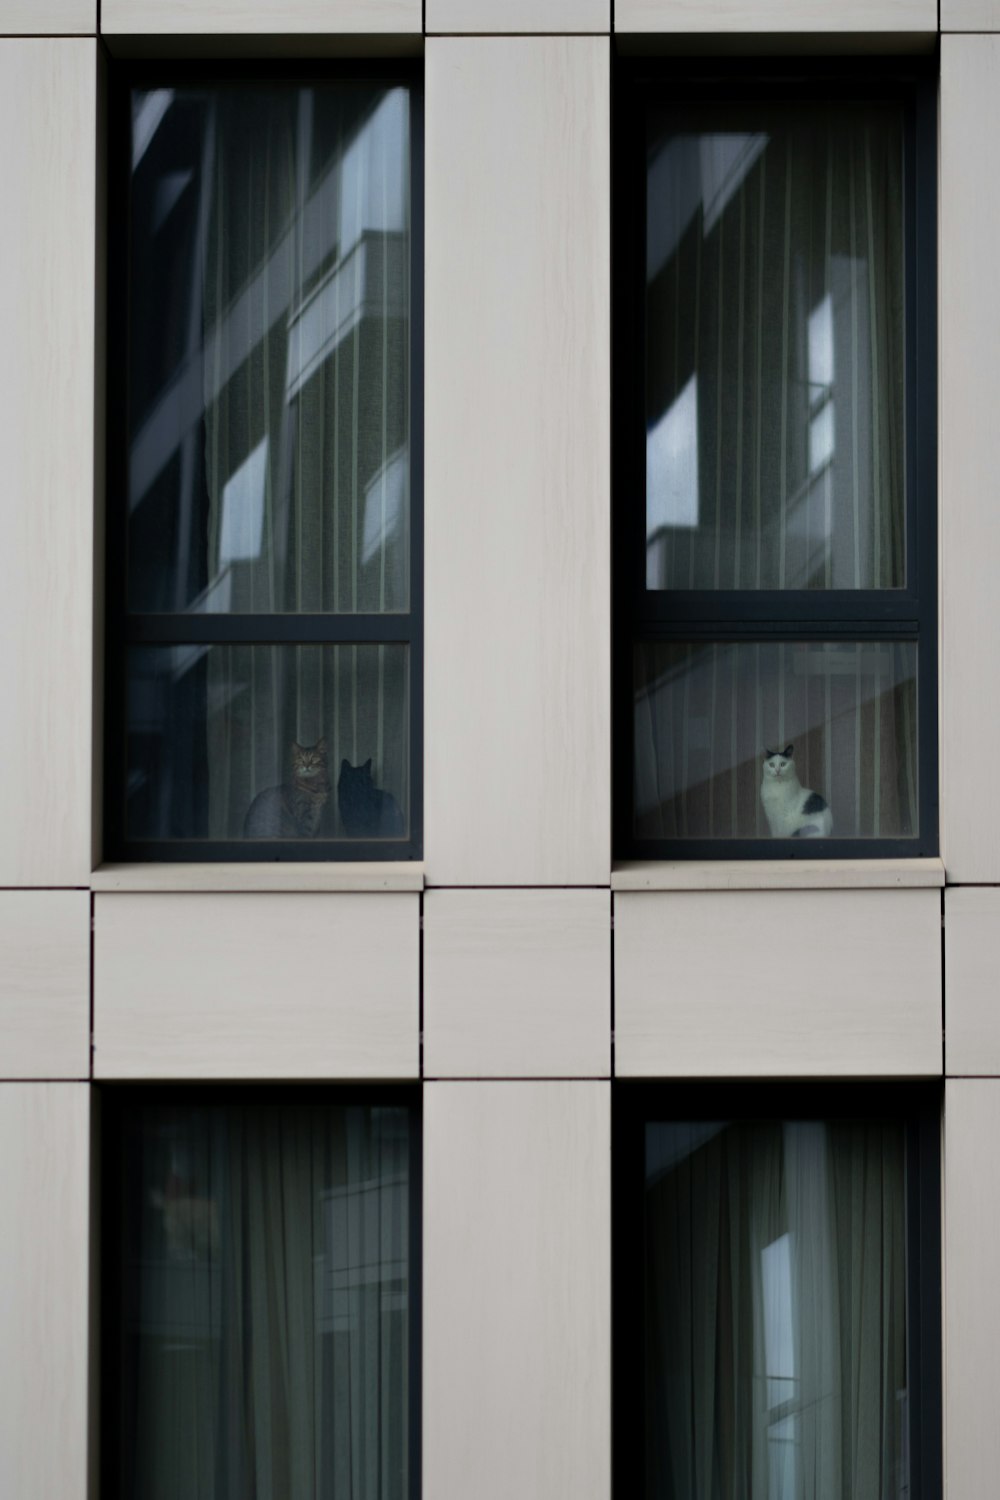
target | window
[
  {"x": 775, "y": 490},
  {"x": 260, "y": 1295},
  {"x": 264, "y": 516},
  {"x": 777, "y": 1286}
]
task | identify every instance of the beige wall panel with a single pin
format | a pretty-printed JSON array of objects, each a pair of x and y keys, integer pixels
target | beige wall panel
[
  {"x": 972, "y": 1288},
  {"x": 778, "y": 983},
  {"x": 208, "y": 17},
  {"x": 517, "y": 548},
  {"x": 517, "y": 984},
  {"x": 518, "y": 15},
  {"x": 970, "y": 398},
  {"x": 44, "y": 984},
  {"x": 775, "y": 15},
  {"x": 47, "y": 186},
  {"x": 972, "y": 980},
  {"x": 47, "y": 17},
  {"x": 44, "y": 1277},
  {"x": 516, "y": 1294},
  {"x": 267, "y": 986},
  {"x": 970, "y": 15}
]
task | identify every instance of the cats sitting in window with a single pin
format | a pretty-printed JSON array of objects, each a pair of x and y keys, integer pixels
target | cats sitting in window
[
  {"x": 294, "y": 810},
  {"x": 793, "y": 811}
]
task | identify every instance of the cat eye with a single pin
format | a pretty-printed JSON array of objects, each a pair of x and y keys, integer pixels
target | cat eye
[
  {"x": 264, "y": 588},
  {"x": 775, "y": 501}
]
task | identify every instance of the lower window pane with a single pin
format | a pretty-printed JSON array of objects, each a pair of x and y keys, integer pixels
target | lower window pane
[
  {"x": 264, "y": 1302},
  {"x": 268, "y": 742},
  {"x": 716, "y": 724},
  {"x": 775, "y": 1329}
]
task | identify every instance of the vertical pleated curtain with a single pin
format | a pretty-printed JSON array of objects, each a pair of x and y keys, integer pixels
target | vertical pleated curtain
[
  {"x": 776, "y": 1333},
  {"x": 775, "y": 458},
  {"x": 305, "y": 283},
  {"x": 267, "y": 1294},
  {"x": 706, "y": 712}
]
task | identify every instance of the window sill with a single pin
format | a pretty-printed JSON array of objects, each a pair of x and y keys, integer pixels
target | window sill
[
  {"x": 370, "y": 876},
  {"x": 777, "y": 875}
]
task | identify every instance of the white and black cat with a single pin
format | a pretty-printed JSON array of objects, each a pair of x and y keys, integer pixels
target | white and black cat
[
  {"x": 366, "y": 810},
  {"x": 793, "y": 811},
  {"x": 294, "y": 809}
]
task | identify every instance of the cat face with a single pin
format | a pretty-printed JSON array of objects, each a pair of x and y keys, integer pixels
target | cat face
[
  {"x": 309, "y": 761},
  {"x": 356, "y": 776},
  {"x": 779, "y": 763}
]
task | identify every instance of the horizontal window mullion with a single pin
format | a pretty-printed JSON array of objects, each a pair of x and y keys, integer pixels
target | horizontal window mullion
[
  {"x": 874, "y": 609},
  {"x": 780, "y": 629},
  {"x": 267, "y": 630}
]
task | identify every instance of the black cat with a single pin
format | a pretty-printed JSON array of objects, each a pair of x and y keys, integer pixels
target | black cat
[{"x": 365, "y": 810}]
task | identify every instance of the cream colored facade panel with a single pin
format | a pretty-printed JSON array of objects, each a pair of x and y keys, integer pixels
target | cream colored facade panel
[
  {"x": 778, "y": 984},
  {"x": 44, "y": 1286},
  {"x": 517, "y": 508},
  {"x": 517, "y": 984},
  {"x": 970, "y": 15},
  {"x": 516, "y": 1387},
  {"x": 48, "y": 17},
  {"x": 256, "y": 986},
  {"x": 48, "y": 125},
  {"x": 748, "y": 16},
  {"x": 551, "y": 16},
  {"x": 972, "y": 980},
  {"x": 259, "y": 17},
  {"x": 970, "y": 397},
  {"x": 971, "y": 1288},
  {"x": 44, "y": 984}
]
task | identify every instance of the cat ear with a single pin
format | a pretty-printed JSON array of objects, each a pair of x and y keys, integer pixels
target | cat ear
[
  {"x": 788, "y": 751},
  {"x": 345, "y": 766},
  {"x": 768, "y": 754},
  {"x": 368, "y": 764}
]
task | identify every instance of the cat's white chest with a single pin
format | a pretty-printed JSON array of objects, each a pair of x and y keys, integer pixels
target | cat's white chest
[{"x": 780, "y": 798}]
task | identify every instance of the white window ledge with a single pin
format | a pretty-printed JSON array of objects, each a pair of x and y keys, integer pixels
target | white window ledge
[
  {"x": 776, "y": 874},
  {"x": 405, "y": 875}
]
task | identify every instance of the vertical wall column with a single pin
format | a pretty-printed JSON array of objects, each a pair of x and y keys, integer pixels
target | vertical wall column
[
  {"x": 970, "y": 472},
  {"x": 44, "y": 1290},
  {"x": 517, "y": 420},
  {"x": 516, "y": 1291},
  {"x": 48, "y": 102}
]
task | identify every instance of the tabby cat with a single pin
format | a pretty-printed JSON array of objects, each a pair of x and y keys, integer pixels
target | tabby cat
[{"x": 292, "y": 810}]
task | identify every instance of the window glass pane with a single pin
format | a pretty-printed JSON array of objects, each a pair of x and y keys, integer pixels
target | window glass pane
[
  {"x": 775, "y": 347},
  {"x": 708, "y": 715},
  {"x": 268, "y": 742},
  {"x": 269, "y": 466},
  {"x": 265, "y": 1297},
  {"x": 775, "y": 1329}
]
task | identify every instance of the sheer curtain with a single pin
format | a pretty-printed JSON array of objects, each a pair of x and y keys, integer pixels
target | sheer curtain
[
  {"x": 776, "y": 1298},
  {"x": 306, "y": 447},
  {"x": 775, "y": 348},
  {"x": 267, "y": 1304}
]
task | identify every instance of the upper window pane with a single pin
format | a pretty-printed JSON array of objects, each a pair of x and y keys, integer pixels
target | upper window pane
[
  {"x": 775, "y": 347},
  {"x": 268, "y": 422}
]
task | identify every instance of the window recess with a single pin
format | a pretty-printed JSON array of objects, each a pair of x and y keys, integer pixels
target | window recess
[
  {"x": 775, "y": 489},
  {"x": 264, "y": 586}
]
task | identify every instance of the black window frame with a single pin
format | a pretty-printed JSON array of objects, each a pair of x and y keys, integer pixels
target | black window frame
[
  {"x": 918, "y": 1106},
  {"x": 124, "y": 628},
  {"x": 113, "y": 1101},
  {"x": 878, "y": 615}
]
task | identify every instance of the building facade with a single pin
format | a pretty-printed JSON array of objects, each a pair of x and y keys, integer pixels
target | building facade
[{"x": 517, "y": 975}]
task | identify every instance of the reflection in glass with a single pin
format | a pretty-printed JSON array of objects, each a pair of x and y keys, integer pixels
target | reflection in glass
[
  {"x": 269, "y": 350},
  {"x": 776, "y": 1346},
  {"x": 236, "y": 741},
  {"x": 774, "y": 347},
  {"x": 264, "y": 1298},
  {"x": 706, "y": 714}
]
